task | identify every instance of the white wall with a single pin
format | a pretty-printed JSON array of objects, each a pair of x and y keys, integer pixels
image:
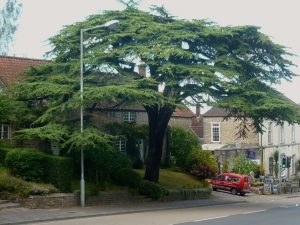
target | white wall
[{"x": 289, "y": 148}]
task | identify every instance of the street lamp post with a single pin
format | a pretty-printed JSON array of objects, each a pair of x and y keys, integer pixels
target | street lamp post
[{"x": 110, "y": 24}]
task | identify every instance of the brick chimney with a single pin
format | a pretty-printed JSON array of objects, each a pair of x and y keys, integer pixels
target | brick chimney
[{"x": 198, "y": 110}]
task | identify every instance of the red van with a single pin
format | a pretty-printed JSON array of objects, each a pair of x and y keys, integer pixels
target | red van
[{"x": 232, "y": 182}]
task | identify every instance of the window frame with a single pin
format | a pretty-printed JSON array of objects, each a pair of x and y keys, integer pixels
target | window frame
[
  {"x": 121, "y": 144},
  {"x": 213, "y": 126},
  {"x": 281, "y": 135},
  {"x": 2, "y": 131},
  {"x": 270, "y": 133},
  {"x": 129, "y": 116},
  {"x": 293, "y": 133}
]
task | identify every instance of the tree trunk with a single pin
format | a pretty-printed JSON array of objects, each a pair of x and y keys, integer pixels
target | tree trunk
[{"x": 158, "y": 123}]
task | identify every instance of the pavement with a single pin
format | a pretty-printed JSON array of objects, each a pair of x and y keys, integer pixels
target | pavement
[{"x": 31, "y": 216}]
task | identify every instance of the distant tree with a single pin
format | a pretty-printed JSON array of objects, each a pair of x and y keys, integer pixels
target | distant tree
[
  {"x": 276, "y": 161},
  {"x": 234, "y": 66},
  {"x": 8, "y": 17}
]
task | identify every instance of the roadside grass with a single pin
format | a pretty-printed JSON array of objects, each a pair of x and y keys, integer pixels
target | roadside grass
[
  {"x": 12, "y": 187},
  {"x": 173, "y": 180}
]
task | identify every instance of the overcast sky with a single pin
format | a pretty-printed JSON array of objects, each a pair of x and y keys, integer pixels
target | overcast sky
[{"x": 41, "y": 19}]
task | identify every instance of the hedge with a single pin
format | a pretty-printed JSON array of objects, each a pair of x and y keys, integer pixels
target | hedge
[
  {"x": 59, "y": 172},
  {"x": 3, "y": 152},
  {"x": 28, "y": 165},
  {"x": 56, "y": 170}
]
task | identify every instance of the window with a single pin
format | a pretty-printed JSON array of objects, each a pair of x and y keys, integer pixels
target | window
[
  {"x": 215, "y": 132},
  {"x": 5, "y": 131},
  {"x": 270, "y": 133},
  {"x": 281, "y": 134},
  {"x": 121, "y": 144},
  {"x": 111, "y": 113},
  {"x": 293, "y": 134},
  {"x": 129, "y": 117}
]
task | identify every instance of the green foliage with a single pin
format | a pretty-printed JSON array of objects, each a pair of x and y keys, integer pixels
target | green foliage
[
  {"x": 53, "y": 132},
  {"x": 3, "y": 152},
  {"x": 202, "y": 157},
  {"x": 8, "y": 17},
  {"x": 202, "y": 164},
  {"x": 276, "y": 160},
  {"x": 29, "y": 165},
  {"x": 127, "y": 177},
  {"x": 58, "y": 171},
  {"x": 152, "y": 190},
  {"x": 91, "y": 138},
  {"x": 182, "y": 143},
  {"x": 133, "y": 133},
  {"x": 100, "y": 163},
  {"x": 234, "y": 66},
  {"x": 242, "y": 165}
]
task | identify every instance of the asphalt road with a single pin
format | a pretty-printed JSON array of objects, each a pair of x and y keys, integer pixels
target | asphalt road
[
  {"x": 255, "y": 210},
  {"x": 289, "y": 215}
]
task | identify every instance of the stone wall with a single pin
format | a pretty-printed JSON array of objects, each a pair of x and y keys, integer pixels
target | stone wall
[
  {"x": 61, "y": 200},
  {"x": 228, "y": 131},
  {"x": 58, "y": 200}
]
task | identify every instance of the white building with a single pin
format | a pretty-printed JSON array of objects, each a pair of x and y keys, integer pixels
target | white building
[{"x": 285, "y": 139}]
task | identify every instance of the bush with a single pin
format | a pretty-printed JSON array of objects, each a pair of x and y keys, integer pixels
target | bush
[
  {"x": 3, "y": 152},
  {"x": 59, "y": 172},
  {"x": 103, "y": 163},
  {"x": 202, "y": 164},
  {"x": 29, "y": 165},
  {"x": 242, "y": 165},
  {"x": 152, "y": 190},
  {"x": 203, "y": 172},
  {"x": 127, "y": 177},
  {"x": 181, "y": 145},
  {"x": 138, "y": 164}
]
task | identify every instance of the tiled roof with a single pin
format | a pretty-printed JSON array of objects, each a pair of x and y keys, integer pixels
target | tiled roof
[
  {"x": 216, "y": 112},
  {"x": 10, "y": 67},
  {"x": 183, "y": 112}
]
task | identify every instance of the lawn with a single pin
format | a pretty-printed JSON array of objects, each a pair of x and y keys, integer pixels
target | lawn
[{"x": 172, "y": 179}]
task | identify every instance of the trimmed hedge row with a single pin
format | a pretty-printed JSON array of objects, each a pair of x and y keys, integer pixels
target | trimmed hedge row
[
  {"x": 59, "y": 172},
  {"x": 31, "y": 165}
]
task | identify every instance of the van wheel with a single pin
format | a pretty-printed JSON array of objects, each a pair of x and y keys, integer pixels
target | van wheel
[{"x": 233, "y": 191}]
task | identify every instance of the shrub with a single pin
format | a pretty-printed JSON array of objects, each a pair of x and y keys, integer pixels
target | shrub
[
  {"x": 59, "y": 172},
  {"x": 3, "y": 152},
  {"x": 127, "y": 177},
  {"x": 242, "y": 165},
  {"x": 203, "y": 172},
  {"x": 202, "y": 164},
  {"x": 152, "y": 190},
  {"x": 138, "y": 164},
  {"x": 181, "y": 145},
  {"x": 29, "y": 165},
  {"x": 103, "y": 163}
]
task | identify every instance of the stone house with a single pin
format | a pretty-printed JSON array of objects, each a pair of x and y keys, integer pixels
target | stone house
[
  {"x": 11, "y": 67},
  {"x": 220, "y": 136}
]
